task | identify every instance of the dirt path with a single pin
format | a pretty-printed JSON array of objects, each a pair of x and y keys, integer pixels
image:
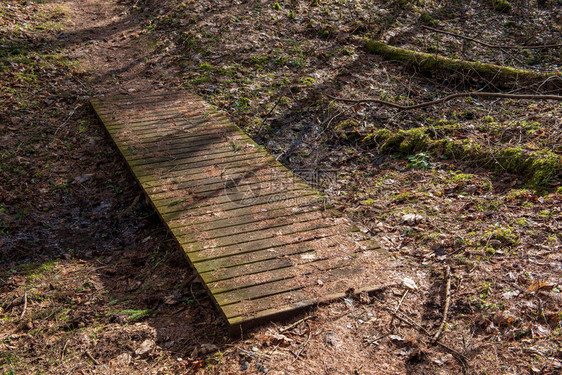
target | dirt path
[{"x": 112, "y": 47}]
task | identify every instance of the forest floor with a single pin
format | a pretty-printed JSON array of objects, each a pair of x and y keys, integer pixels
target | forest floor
[{"x": 90, "y": 281}]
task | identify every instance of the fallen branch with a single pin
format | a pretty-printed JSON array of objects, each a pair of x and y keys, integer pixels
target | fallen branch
[
  {"x": 24, "y": 305},
  {"x": 447, "y": 303},
  {"x": 63, "y": 350},
  {"x": 502, "y": 75},
  {"x": 289, "y": 327},
  {"x": 91, "y": 357},
  {"x": 461, "y": 357},
  {"x": 477, "y": 94},
  {"x": 304, "y": 346},
  {"x": 399, "y": 305},
  {"x": 499, "y": 46}
]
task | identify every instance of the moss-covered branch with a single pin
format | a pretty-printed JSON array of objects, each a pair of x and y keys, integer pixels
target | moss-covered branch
[{"x": 504, "y": 75}]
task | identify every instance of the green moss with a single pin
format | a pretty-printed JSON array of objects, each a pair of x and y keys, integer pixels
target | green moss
[
  {"x": 539, "y": 167},
  {"x": 519, "y": 194},
  {"x": 205, "y": 66},
  {"x": 404, "y": 197},
  {"x": 502, "y": 6},
  {"x": 347, "y": 129},
  {"x": 404, "y": 141},
  {"x": 457, "y": 177},
  {"x": 427, "y": 19},
  {"x": 545, "y": 166},
  {"x": 309, "y": 81},
  {"x": 505, "y": 236}
]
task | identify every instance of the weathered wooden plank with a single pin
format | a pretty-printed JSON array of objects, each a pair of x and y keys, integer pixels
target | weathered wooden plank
[
  {"x": 212, "y": 258},
  {"x": 222, "y": 238},
  {"x": 268, "y": 222},
  {"x": 198, "y": 167},
  {"x": 244, "y": 218},
  {"x": 274, "y": 294},
  {"x": 192, "y": 149},
  {"x": 249, "y": 281},
  {"x": 232, "y": 174},
  {"x": 222, "y": 204}
]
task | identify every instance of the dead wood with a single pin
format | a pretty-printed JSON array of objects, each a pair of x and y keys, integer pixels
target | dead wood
[
  {"x": 497, "y": 74},
  {"x": 447, "y": 303}
]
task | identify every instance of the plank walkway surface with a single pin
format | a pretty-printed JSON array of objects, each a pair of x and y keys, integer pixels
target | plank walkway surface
[{"x": 263, "y": 242}]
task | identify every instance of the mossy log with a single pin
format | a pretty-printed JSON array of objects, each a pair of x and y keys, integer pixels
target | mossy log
[
  {"x": 503, "y": 75},
  {"x": 538, "y": 168}
]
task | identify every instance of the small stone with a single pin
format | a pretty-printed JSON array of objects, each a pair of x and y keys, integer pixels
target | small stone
[
  {"x": 412, "y": 219},
  {"x": 171, "y": 300},
  {"x": 261, "y": 368},
  {"x": 511, "y": 294},
  {"x": 145, "y": 347},
  {"x": 255, "y": 349},
  {"x": 244, "y": 366},
  {"x": 207, "y": 348},
  {"x": 332, "y": 339},
  {"x": 82, "y": 178},
  {"x": 409, "y": 283},
  {"x": 396, "y": 338},
  {"x": 124, "y": 358}
]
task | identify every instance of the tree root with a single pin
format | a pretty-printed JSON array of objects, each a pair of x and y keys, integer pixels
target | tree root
[
  {"x": 490, "y": 45},
  {"x": 476, "y": 94}
]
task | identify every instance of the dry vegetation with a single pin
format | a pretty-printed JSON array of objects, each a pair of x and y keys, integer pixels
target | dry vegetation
[{"x": 89, "y": 280}]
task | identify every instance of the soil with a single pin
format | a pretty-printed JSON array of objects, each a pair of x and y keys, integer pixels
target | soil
[{"x": 90, "y": 280}]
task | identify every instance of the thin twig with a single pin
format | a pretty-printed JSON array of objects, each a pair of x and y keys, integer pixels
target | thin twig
[
  {"x": 461, "y": 357},
  {"x": 65, "y": 121},
  {"x": 24, "y": 305},
  {"x": 289, "y": 327},
  {"x": 63, "y": 350},
  {"x": 91, "y": 357},
  {"x": 399, "y": 304},
  {"x": 447, "y": 303},
  {"x": 401, "y": 300},
  {"x": 304, "y": 346},
  {"x": 492, "y": 45},
  {"x": 450, "y": 97}
]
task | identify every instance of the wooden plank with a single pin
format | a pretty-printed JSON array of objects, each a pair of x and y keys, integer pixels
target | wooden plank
[
  {"x": 222, "y": 238},
  {"x": 263, "y": 242},
  {"x": 211, "y": 258},
  {"x": 244, "y": 218}
]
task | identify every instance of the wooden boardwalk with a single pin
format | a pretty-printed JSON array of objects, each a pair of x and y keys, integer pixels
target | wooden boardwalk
[{"x": 263, "y": 242}]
